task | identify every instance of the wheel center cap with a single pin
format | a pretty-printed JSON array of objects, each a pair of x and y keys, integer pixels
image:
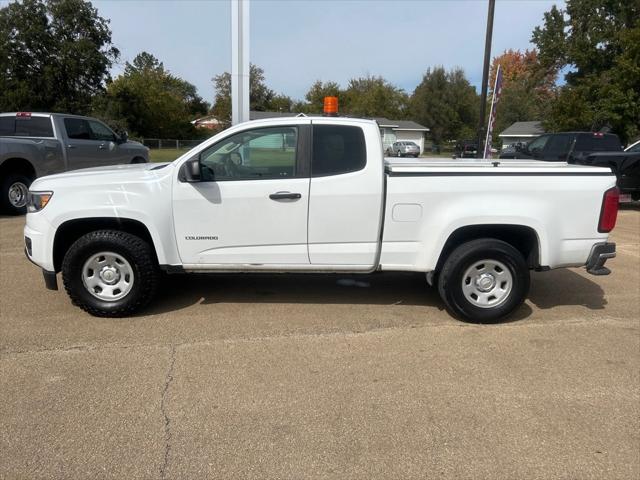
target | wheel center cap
[
  {"x": 485, "y": 282},
  {"x": 109, "y": 275}
]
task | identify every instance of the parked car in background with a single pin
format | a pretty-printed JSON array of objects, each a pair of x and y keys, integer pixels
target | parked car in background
[
  {"x": 403, "y": 149},
  {"x": 626, "y": 166},
  {"x": 587, "y": 148},
  {"x": 565, "y": 147},
  {"x": 37, "y": 144},
  {"x": 634, "y": 147},
  {"x": 466, "y": 149}
]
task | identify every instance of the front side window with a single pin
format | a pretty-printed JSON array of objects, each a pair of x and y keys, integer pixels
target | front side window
[
  {"x": 100, "y": 131},
  {"x": 558, "y": 147},
  {"x": 77, "y": 129},
  {"x": 337, "y": 149},
  {"x": 260, "y": 154},
  {"x": 536, "y": 146}
]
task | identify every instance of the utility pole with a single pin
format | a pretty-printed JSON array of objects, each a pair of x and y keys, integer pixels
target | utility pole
[
  {"x": 239, "y": 61},
  {"x": 485, "y": 78}
]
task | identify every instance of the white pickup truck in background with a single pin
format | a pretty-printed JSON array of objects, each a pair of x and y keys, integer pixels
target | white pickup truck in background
[{"x": 314, "y": 194}]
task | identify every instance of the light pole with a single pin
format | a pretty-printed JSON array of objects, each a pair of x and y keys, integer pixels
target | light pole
[
  {"x": 239, "y": 61},
  {"x": 485, "y": 78}
]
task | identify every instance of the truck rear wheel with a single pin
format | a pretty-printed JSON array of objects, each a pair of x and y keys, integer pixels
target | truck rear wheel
[
  {"x": 483, "y": 280},
  {"x": 109, "y": 273},
  {"x": 13, "y": 191}
]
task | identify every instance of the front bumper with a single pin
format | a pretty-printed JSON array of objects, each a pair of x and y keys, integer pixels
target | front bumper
[
  {"x": 50, "y": 279},
  {"x": 600, "y": 253}
]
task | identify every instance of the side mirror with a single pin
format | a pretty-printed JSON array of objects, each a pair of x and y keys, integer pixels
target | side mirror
[
  {"x": 123, "y": 137},
  {"x": 190, "y": 171}
]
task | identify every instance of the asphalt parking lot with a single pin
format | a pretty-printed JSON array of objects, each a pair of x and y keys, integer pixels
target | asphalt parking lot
[{"x": 266, "y": 376}]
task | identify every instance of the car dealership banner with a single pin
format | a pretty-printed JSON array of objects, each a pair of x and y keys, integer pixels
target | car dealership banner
[{"x": 497, "y": 90}]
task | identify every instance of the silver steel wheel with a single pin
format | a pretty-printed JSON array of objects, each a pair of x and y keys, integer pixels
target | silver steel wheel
[
  {"x": 107, "y": 276},
  {"x": 18, "y": 194},
  {"x": 487, "y": 283}
]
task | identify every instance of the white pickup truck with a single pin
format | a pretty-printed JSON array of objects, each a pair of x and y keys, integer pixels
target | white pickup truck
[{"x": 315, "y": 194}]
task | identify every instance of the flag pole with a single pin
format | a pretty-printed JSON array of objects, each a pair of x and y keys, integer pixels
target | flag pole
[
  {"x": 485, "y": 75},
  {"x": 492, "y": 117}
]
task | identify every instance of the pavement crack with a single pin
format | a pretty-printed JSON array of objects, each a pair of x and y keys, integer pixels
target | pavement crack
[{"x": 163, "y": 408}]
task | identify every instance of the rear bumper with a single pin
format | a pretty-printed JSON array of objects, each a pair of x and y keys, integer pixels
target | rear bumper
[{"x": 600, "y": 253}]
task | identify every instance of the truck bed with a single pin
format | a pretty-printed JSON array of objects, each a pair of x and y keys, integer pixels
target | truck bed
[{"x": 430, "y": 198}]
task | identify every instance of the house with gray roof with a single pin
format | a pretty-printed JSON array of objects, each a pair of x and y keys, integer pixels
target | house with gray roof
[
  {"x": 401, "y": 131},
  {"x": 521, "y": 132}
]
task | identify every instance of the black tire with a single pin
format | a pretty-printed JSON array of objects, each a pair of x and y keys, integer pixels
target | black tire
[
  {"x": 138, "y": 160},
  {"x": 451, "y": 278},
  {"x": 7, "y": 186},
  {"x": 135, "y": 251}
]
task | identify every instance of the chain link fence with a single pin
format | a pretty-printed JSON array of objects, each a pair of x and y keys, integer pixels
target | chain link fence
[{"x": 169, "y": 143}]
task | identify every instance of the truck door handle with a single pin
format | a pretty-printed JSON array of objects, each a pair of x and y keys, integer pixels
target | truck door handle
[
  {"x": 71, "y": 146},
  {"x": 102, "y": 146},
  {"x": 285, "y": 196}
]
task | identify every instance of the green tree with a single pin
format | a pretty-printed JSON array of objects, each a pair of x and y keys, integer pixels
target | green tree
[
  {"x": 527, "y": 88},
  {"x": 446, "y": 103},
  {"x": 374, "y": 97},
  {"x": 281, "y": 103},
  {"x": 151, "y": 102},
  {"x": 55, "y": 55},
  {"x": 260, "y": 96},
  {"x": 598, "y": 42}
]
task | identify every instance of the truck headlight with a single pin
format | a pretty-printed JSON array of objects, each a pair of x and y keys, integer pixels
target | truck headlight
[{"x": 36, "y": 201}]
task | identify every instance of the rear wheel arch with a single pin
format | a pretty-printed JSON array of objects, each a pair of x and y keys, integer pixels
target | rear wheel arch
[
  {"x": 522, "y": 237},
  {"x": 70, "y": 231},
  {"x": 18, "y": 165}
]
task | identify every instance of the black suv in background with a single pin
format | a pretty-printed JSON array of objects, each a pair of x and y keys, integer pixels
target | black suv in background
[
  {"x": 569, "y": 147},
  {"x": 585, "y": 148}
]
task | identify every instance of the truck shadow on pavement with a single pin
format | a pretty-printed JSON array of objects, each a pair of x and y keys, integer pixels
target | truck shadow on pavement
[
  {"x": 548, "y": 290},
  {"x": 565, "y": 287}
]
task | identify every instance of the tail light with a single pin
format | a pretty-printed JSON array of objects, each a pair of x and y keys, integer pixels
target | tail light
[{"x": 609, "y": 210}]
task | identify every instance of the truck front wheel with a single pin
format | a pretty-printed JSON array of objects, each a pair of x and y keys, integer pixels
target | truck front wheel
[
  {"x": 109, "y": 273},
  {"x": 483, "y": 280}
]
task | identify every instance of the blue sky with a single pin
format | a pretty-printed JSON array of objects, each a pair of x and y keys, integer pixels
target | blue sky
[{"x": 299, "y": 41}]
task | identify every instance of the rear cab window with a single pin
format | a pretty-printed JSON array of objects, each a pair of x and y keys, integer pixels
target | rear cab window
[
  {"x": 337, "y": 149},
  {"x": 7, "y": 126},
  {"x": 26, "y": 126},
  {"x": 594, "y": 142}
]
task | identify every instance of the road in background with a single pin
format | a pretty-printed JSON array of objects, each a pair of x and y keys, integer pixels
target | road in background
[{"x": 320, "y": 376}]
